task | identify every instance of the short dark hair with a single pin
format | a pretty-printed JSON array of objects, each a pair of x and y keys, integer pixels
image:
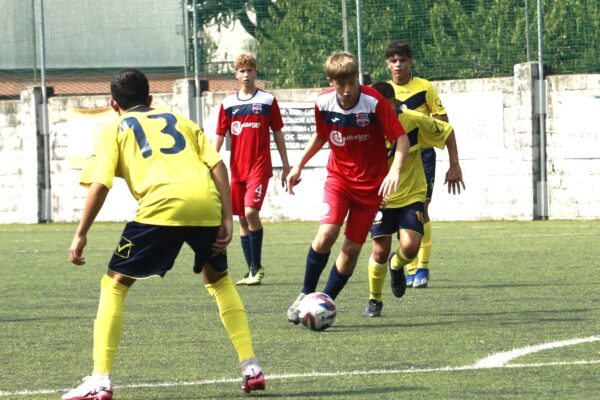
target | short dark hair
[
  {"x": 399, "y": 48},
  {"x": 385, "y": 88},
  {"x": 129, "y": 88}
]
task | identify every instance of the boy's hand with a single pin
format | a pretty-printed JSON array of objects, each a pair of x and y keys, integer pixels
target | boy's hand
[
  {"x": 389, "y": 184},
  {"x": 223, "y": 237},
  {"x": 454, "y": 179},
  {"x": 76, "y": 250},
  {"x": 284, "y": 175},
  {"x": 293, "y": 179}
]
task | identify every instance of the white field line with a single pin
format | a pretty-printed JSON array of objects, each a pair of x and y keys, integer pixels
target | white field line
[
  {"x": 500, "y": 359},
  {"x": 495, "y": 361}
]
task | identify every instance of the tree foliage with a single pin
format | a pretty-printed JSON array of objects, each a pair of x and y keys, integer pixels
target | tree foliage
[{"x": 451, "y": 39}]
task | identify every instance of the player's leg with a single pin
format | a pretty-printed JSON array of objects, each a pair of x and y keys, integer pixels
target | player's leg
[
  {"x": 256, "y": 189},
  {"x": 381, "y": 233},
  {"x": 377, "y": 269},
  {"x": 422, "y": 273},
  {"x": 232, "y": 312},
  {"x": 144, "y": 250},
  {"x": 362, "y": 210},
  {"x": 343, "y": 268},
  {"x": 336, "y": 203},
  {"x": 238, "y": 191},
  {"x": 410, "y": 223},
  {"x": 421, "y": 262},
  {"x": 108, "y": 327},
  {"x": 316, "y": 261}
]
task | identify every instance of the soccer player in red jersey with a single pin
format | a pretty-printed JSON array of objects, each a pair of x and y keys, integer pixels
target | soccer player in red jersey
[
  {"x": 247, "y": 116},
  {"x": 355, "y": 120}
]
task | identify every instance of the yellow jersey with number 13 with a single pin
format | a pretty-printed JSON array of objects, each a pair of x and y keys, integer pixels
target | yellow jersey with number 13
[{"x": 166, "y": 161}]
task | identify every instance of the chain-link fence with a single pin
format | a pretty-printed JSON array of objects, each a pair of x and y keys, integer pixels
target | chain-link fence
[{"x": 79, "y": 43}]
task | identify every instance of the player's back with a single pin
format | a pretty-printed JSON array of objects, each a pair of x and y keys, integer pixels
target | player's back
[{"x": 166, "y": 159}]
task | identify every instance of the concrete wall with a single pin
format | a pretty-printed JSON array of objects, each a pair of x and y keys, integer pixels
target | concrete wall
[{"x": 494, "y": 119}]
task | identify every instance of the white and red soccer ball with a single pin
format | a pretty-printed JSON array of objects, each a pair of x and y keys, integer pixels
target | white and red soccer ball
[{"x": 317, "y": 311}]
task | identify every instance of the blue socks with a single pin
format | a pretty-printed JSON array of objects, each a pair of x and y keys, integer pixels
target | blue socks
[
  {"x": 246, "y": 249},
  {"x": 255, "y": 239},
  {"x": 315, "y": 264},
  {"x": 336, "y": 282}
]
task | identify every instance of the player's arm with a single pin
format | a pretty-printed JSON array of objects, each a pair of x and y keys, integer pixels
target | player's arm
[
  {"x": 314, "y": 145},
  {"x": 219, "y": 139},
  {"x": 280, "y": 143},
  {"x": 390, "y": 182},
  {"x": 93, "y": 204},
  {"x": 454, "y": 177},
  {"x": 434, "y": 104},
  {"x": 443, "y": 117},
  {"x": 221, "y": 179}
]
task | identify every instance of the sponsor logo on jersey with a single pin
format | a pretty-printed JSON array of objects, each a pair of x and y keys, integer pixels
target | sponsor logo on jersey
[
  {"x": 362, "y": 119},
  {"x": 335, "y": 119},
  {"x": 237, "y": 126},
  {"x": 256, "y": 108},
  {"x": 336, "y": 138},
  {"x": 339, "y": 140}
]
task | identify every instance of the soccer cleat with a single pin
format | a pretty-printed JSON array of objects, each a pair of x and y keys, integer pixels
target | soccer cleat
[
  {"x": 410, "y": 280},
  {"x": 92, "y": 388},
  {"x": 292, "y": 312},
  {"x": 398, "y": 280},
  {"x": 244, "y": 280},
  {"x": 255, "y": 277},
  {"x": 373, "y": 308},
  {"x": 421, "y": 278},
  {"x": 253, "y": 378}
]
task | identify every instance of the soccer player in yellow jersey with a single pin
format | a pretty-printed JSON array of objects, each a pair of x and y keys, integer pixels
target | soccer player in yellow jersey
[
  {"x": 402, "y": 211},
  {"x": 418, "y": 94},
  {"x": 182, "y": 189}
]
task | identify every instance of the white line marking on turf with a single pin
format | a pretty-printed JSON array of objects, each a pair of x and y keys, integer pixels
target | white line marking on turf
[{"x": 498, "y": 360}]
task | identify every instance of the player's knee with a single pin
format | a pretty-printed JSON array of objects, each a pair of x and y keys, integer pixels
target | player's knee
[
  {"x": 410, "y": 250},
  {"x": 210, "y": 276},
  {"x": 379, "y": 255},
  {"x": 325, "y": 240}
]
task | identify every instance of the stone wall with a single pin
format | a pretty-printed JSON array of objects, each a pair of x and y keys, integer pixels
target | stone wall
[{"x": 496, "y": 128}]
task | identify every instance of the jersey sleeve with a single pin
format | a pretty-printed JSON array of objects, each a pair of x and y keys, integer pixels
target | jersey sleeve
[
  {"x": 276, "y": 122},
  {"x": 100, "y": 167},
  {"x": 391, "y": 126},
  {"x": 433, "y": 101},
  {"x": 223, "y": 123},
  {"x": 208, "y": 153},
  {"x": 432, "y": 132},
  {"x": 319, "y": 122}
]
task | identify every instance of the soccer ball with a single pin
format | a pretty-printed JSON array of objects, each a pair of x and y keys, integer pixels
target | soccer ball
[{"x": 317, "y": 311}]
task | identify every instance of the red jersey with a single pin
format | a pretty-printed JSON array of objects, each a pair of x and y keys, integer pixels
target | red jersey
[
  {"x": 248, "y": 123},
  {"x": 357, "y": 136}
]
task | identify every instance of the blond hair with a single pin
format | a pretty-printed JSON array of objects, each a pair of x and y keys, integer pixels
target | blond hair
[
  {"x": 341, "y": 66},
  {"x": 244, "y": 59}
]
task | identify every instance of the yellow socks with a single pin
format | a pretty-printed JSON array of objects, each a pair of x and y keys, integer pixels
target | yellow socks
[
  {"x": 233, "y": 316},
  {"x": 422, "y": 259},
  {"x": 108, "y": 324},
  {"x": 425, "y": 250},
  {"x": 377, "y": 273}
]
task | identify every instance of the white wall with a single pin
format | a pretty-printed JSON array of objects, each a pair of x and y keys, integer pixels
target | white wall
[{"x": 496, "y": 133}]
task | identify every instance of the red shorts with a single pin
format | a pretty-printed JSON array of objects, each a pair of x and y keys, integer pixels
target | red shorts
[
  {"x": 359, "y": 204},
  {"x": 250, "y": 193}
]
